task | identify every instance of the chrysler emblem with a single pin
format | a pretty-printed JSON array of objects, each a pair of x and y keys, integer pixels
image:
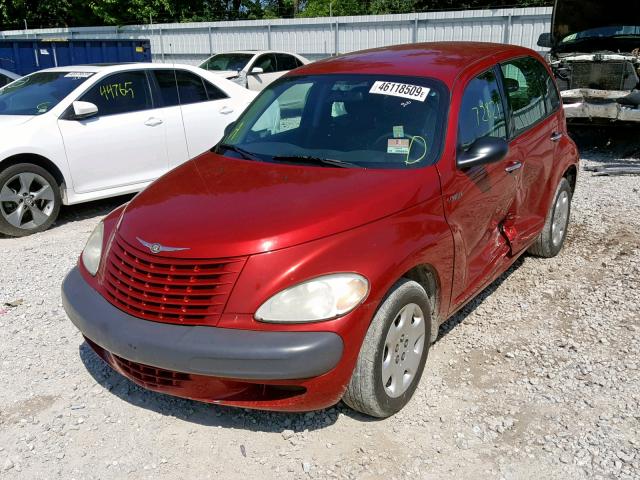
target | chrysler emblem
[{"x": 157, "y": 247}]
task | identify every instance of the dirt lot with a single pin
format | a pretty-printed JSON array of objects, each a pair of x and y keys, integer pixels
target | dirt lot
[{"x": 538, "y": 378}]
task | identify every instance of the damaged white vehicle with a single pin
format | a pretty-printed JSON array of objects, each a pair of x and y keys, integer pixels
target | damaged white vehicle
[{"x": 595, "y": 56}]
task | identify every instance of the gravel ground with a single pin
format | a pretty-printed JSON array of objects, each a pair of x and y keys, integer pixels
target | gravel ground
[{"x": 538, "y": 378}]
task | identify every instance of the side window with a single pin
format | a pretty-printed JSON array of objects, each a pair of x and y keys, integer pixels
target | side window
[
  {"x": 552, "y": 99},
  {"x": 190, "y": 88},
  {"x": 213, "y": 92},
  {"x": 481, "y": 112},
  {"x": 298, "y": 62},
  {"x": 4, "y": 80},
  {"x": 120, "y": 93},
  {"x": 266, "y": 62},
  {"x": 285, "y": 62},
  {"x": 167, "y": 88},
  {"x": 526, "y": 91}
]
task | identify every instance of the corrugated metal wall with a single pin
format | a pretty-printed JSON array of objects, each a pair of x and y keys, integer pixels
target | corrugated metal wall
[{"x": 319, "y": 37}]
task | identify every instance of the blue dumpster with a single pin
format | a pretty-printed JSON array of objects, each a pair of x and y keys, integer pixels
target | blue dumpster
[{"x": 26, "y": 56}]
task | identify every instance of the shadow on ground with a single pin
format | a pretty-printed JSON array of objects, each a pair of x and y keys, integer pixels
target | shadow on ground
[{"x": 614, "y": 143}]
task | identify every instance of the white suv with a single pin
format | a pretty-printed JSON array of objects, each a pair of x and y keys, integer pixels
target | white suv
[
  {"x": 253, "y": 69},
  {"x": 74, "y": 134}
]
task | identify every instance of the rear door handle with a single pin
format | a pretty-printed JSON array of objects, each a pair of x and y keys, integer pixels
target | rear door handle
[
  {"x": 555, "y": 136},
  {"x": 153, "y": 122},
  {"x": 226, "y": 110},
  {"x": 513, "y": 167}
]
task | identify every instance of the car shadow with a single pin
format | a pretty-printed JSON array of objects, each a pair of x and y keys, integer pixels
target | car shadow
[
  {"x": 232, "y": 417},
  {"x": 469, "y": 308},
  {"x": 85, "y": 211},
  {"x": 201, "y": 413}
]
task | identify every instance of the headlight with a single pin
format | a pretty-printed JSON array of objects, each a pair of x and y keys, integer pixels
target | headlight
[
  {"x": 322, "y": 298},
  {"x": 93, "y": 250}
]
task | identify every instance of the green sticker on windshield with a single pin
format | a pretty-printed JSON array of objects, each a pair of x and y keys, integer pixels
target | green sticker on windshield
[{"x": 398, "y": 131}]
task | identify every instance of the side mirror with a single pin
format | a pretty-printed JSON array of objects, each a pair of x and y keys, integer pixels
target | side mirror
[
  {"x": 544, "y": 40},
  {"x": 256, "y": 70},
  {"x": 84, "y": 110},
  {"x": 482, "y": 151}
]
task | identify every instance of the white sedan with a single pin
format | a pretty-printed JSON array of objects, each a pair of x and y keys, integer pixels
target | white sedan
[
  {"x": 253, "y": 69},
  {"x": 80, "y": 133}
]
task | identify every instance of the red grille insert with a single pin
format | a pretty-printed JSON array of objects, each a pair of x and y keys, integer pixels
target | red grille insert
[{"x": 170, "y": 290}]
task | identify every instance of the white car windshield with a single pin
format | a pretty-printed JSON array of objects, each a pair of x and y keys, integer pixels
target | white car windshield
[
  {"x": 39, "y": 92},
  {"x": 227, "y": 61}
]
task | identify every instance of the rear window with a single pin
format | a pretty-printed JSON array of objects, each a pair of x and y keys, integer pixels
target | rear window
[{"x": 39, "y": 92}]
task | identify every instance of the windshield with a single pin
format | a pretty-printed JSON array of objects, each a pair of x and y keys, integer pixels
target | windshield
[
  {"x": 227, "y": 61},
  {"x": 603, "y": 32},
  {"x": 39, "y": 92},
  {"x": 372, "y": 121}
]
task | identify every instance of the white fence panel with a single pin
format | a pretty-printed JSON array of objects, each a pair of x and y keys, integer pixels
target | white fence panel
[{"x": 318, "y": 37}]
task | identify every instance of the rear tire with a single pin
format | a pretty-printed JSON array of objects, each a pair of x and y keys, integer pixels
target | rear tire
[
  {"x": 29, "y": 200},
  {"x": 393, "y": 353},
  {"x": 551, "y": 239}
]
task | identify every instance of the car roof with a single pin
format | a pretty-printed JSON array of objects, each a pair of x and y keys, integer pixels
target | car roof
[
  {"x": 255, "y": 52},
  {"x": 441, "y": 60},
  {"x": 114, "y": 67}
]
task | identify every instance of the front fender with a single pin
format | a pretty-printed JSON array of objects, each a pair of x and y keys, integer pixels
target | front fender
[{"x": 383, "y": 251}]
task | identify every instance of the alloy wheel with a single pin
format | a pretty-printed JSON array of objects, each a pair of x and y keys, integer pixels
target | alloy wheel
[{"x": 27, "y": 200}]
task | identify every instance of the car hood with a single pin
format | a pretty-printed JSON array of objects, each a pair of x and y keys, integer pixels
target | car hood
[
  {"x": 220, "y": 207},
  {"x": 7, "y": 121},
  {"x": 573, "y": 16},
  {"x": 224, "y": 73}
]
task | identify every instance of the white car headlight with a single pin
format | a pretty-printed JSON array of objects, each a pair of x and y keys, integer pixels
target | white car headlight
[
  {"x": 322, "y": 298},
  {"x": 93, "y": 250}
]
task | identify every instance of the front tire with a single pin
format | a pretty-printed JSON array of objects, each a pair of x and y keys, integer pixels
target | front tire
[
  {"x": 393, "y": 353},
  {"x": 551, "y": 239},
  {"x": 29, "y": 200}
]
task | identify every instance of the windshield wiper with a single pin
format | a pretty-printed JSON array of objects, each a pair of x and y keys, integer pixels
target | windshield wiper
[
  {"x": 247, "y": 155},
  {"x": 315, "y": 160}
]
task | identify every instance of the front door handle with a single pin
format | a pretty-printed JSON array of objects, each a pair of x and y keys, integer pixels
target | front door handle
[
  {"x": 555, "y": 136},
  {"x": 513, "y": 167},
  {"x": 153, "y": 122},
  {"x": 226, "y": 110}
]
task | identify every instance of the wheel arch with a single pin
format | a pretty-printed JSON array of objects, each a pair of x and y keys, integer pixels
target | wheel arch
[
  {"x": 571, "y": 174},
  {"x": 427, "y": 276},
  {"x": 39, "y": 160}
]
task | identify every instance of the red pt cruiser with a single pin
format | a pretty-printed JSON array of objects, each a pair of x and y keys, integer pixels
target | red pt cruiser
[{"x": 312, "y": 254}]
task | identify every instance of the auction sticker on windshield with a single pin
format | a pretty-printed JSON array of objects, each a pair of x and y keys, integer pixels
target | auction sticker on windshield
[{"x": 404, "y": 90}]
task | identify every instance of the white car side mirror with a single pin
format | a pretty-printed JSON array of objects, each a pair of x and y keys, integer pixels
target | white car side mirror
[
  {"x": 257, "y": 70},
  {"x": 84, "y": 109}
]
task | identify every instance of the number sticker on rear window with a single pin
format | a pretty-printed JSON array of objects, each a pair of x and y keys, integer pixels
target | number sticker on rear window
[{"x": 404, "y": 90}]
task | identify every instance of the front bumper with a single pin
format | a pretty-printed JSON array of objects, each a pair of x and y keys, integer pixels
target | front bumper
[
  {"x": 591, "y": 104},
  {"x": 200, "y": 351}
]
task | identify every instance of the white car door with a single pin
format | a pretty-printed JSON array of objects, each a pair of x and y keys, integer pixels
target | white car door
[
  {"x": 206, "y": 111},
  {"x": 270, "y": 73},
  {"x": 123, "y": 144}
]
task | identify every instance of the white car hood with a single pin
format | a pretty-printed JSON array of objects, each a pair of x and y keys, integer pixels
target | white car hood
[
  {"x": 7, "y": 121},
  {"x": 224, "y": 73}
]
